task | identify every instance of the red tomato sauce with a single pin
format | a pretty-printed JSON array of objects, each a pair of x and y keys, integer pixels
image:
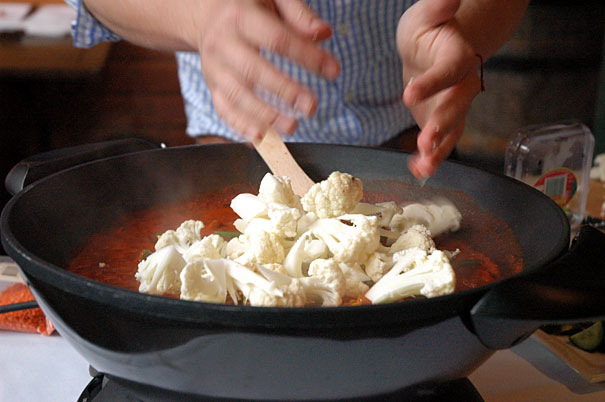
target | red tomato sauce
[{"x": 488, "y": 249}]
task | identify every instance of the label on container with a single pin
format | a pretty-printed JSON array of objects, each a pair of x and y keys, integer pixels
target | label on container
[{"x": 559, "y": 184}]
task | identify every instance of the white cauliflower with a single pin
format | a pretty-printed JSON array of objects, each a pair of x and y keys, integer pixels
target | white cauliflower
[
  {"x": 258, "y": 248},
  {"x": 335, "y": 196},
  {"x": 281, "y": 220},
  {"x": 325, "y": 282},
  {"x": 210, "y": 247},
  {"x": 159, "y": 273},
  {"x": 204, "y": 280},
  {"x": 415, "y": 273},
  {"x": 266, "y": 288},
  {"x": 293, "y": 295},
  {"x": 305, "y": 222},
  {"x": 356, "y": 279},
  {"x": 279, "y": 268},
  {"x": 384, "y": 211},
  {"x": 303, "y": 251},
  {"x": 323, "y": 254},
  {"x": 277, "y": 189},
  {"x": 183, "y": 237},
  {"x": 416, "y": 236},
  {"x": 248, "y": 206},
  {"x": 349, "y": 238},
  {"x": 378, "y": 264},
  {"x": 439, "y": 216}
]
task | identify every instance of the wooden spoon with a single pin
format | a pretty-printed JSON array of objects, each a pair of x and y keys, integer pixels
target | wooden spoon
[{"x": 281, "y": 162}]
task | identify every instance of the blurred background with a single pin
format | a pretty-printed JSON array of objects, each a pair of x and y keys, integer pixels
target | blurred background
[{"x": 53, "y": 95}]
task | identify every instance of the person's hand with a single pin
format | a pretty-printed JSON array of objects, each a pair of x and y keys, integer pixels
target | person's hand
[
  {"x": 233, "y": 33},
  {"x": 440, "y": 72}
]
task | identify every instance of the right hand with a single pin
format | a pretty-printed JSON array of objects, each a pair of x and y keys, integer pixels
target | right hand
[{"x": 232, "y": 33}]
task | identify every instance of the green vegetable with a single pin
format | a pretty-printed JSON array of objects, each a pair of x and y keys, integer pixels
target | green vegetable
[
  {"x": 226, "y": 234},
  {"x": 145, "y": 253},
  {"x": 590, "y": 338}
]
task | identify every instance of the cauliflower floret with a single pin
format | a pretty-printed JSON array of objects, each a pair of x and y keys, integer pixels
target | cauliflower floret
[
  {"x": 248, "y": 206},
  {"x": 303, "y": 251},
  {"x": 384, "y": 211},
  {"x": 293, "y": 295},
  {"x": 183, "y": 237},
  {"x": 326, "y": 282},
  {"x": 279, "y": 268},
  {"x": 159, "y": 272},
  {"x": 284, "y": 219},
  {"x": 416, "y": 236},
  {"x": 305, "y": 222},
  {"x": 278, "y": 189},
  {"x": 378, "y": 264},
  {"x": 335, "y": 196},
  {"x": 258, "y": 248},
  {"x": 348, "y": 242},
  {"x": 439, "y": 216},
  {"x": 265, "y": 288},
  {"x": 415, "y": 273},
  {"x": 203, "y": 280},
  {"x": 210, "y": 247},
  {"x": 356, "y": 278},
  {"x": 281, "y": 220}
]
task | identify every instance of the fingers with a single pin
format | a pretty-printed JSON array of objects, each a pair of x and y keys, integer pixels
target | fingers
[
  {"x": 254, "y": 70},
  {"x": 305, "y": 21},
  {"x": 444, "y": 126},
  {"x": 446, "y": 71},
  {"x": 244, "y": 112},
  {"x": 425, "y": 165},
  {"x": 234, "y": 69},
  {"x": 262, "y": 29}
]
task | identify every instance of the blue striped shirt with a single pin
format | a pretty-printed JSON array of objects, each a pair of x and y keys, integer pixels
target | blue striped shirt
[{"x": 362, "y": 107}]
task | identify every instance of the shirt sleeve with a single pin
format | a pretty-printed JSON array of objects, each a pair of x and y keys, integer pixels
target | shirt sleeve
[{"x": 86, "y": 30}]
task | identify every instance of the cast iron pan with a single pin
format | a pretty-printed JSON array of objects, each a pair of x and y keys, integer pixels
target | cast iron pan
[{"x": 222, "y": 351}]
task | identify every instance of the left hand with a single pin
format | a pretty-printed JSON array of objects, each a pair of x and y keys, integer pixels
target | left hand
[{"x": 440, "y": 73}]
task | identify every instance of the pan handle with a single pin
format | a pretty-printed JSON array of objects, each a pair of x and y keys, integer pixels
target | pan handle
[
  {"x": 572, "y": 289},
  {"x": 44, "y": 164}
]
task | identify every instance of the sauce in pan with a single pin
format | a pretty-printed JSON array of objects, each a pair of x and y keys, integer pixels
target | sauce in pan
[{"x": 488, "y": 249}]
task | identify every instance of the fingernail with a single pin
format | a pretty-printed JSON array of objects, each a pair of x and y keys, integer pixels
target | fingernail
[
  {"x": 305, "y": 104},
  {"x": 329, "y": 69},
  {"x": 317, "y": 24}
]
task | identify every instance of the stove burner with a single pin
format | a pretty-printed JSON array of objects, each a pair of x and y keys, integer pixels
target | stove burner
[{"x": 109, "y": 389}]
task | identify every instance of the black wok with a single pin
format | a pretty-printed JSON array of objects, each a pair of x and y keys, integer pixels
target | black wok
[{"x": 240, "y": 352}]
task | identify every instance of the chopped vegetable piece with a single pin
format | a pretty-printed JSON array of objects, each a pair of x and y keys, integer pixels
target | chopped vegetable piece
[
  {"x": 226, "y": 234},
  {"x": 590, "y": 338}
]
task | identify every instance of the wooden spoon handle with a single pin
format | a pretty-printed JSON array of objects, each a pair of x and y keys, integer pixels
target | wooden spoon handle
[{"x": 281, "y": 162}]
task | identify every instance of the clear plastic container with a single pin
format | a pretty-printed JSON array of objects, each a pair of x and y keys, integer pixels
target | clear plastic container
[{"x": 556, "y": 159}]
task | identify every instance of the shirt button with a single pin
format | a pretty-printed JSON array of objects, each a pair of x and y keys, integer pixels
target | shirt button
[
  {"x": 342, "y": 29},
  {"x": 349, "y": 96}
]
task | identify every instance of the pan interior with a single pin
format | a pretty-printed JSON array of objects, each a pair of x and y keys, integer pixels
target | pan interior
[{"x": 55, "y": 216}]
